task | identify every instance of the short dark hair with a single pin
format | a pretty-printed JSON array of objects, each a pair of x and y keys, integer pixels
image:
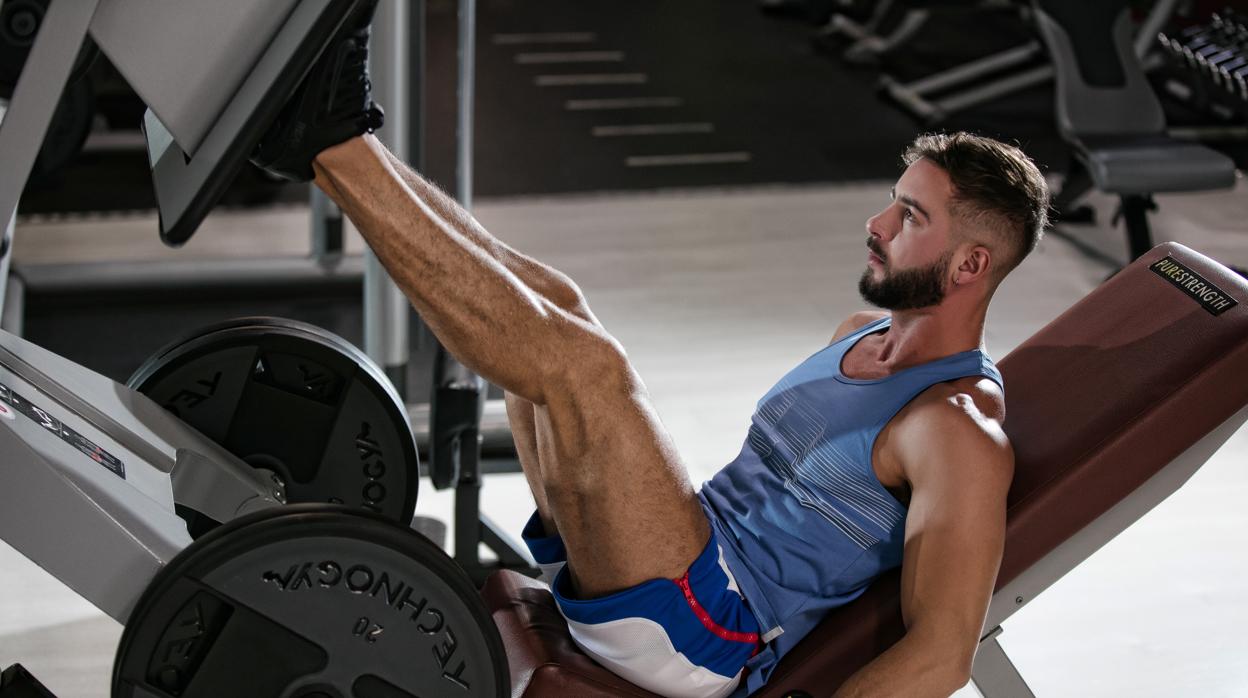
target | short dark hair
[{"x": 995, "y": 187}]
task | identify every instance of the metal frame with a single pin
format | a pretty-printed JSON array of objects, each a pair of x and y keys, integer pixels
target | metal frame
[
  {"x": 113, "y": 466},
  {"x": 921, "y": 97},
  {"x": 12, "y": 295},
  {"x": 472, "y": 528},
  {"x": 387, "y": 312},
  {"x": 11, "y": 292},
  {"x": 918, "y": 97},
  {"x": 993, "y": 673},
  {"x": 867, "y": 42},
  {"x": 37, "y": 93},
  {"x": 189, "y": 177},
  {"x": 386, "y": 309},
  {"x": 6, "y": 245},
  {"x": 138, "y": 279},
  {"x": 870, "y": 48},
  {"x": 840, "y": 25}
]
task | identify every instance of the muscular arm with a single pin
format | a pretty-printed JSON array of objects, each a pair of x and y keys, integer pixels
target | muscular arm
[{"x": 959, "y": 465}]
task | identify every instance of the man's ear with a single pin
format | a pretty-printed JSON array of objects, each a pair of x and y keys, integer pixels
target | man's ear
[{"x": 975, "y": 265}]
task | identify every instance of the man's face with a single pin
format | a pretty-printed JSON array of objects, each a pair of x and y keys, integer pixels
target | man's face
[{"x": 908, "y": 243}]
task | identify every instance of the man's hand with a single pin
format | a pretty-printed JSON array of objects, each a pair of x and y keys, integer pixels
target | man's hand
[{"x": 959, "y": 465}]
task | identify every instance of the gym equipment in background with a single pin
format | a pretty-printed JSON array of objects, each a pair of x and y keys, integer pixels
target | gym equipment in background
[
  {"x": 190, "y": 173},
  {"x": 1208, "y": 71},
  {"x": 117, "y": 468},
  {"x": 1109, "y": 115},
  {"x": 934, "y": 98}
]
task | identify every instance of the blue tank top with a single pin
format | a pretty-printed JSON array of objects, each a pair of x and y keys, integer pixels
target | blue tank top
[{"x": 802, "y": 519}]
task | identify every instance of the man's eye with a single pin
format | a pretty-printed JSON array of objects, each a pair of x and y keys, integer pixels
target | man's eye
[{"x": 908, "y": 214}]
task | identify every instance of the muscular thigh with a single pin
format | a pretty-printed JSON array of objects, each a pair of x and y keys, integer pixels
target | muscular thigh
[{"x": 618, "y": 491}]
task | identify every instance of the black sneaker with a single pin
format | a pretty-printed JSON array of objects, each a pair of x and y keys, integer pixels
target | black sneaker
[{"x": 333, "y": 104}]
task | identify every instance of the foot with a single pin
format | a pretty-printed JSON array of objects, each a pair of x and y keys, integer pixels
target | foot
[{"x": 333, "y": 104}]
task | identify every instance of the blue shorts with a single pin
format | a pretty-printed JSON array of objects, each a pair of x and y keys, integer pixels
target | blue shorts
[{"x": 689, "y": 636}]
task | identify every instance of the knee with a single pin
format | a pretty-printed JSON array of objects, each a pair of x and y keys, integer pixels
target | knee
[
  {"x": 598, "y": 363},
  {"x": 561, "y": 290}
]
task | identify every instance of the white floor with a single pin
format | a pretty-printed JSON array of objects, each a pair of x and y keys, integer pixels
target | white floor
[{"x": 715, "y": 295}]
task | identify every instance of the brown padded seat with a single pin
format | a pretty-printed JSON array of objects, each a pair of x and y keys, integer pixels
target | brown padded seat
[{"x": 1098, "y": 401}]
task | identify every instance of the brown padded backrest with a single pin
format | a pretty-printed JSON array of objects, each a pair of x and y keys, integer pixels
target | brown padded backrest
[{"x": 1097, "y": 402}]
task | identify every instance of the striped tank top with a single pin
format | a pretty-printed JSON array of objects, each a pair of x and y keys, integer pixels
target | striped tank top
[{"x": 803, "y": 522}]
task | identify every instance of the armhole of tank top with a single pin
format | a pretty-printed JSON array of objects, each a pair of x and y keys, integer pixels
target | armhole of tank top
[
  {"x": 851, "y": 337},
  {"x": 878, "y": 428},
  {"x": 863, "y": 331},
  {"x": 988, "y": 369}
]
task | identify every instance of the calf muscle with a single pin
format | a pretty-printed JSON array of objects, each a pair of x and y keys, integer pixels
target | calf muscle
[
  {"x": 480, "y": 311},
  {"x": 542, "y": 279}
]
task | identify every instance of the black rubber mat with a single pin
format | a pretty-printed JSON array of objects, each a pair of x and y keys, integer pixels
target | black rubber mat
[{"x": 776, "y": 111}]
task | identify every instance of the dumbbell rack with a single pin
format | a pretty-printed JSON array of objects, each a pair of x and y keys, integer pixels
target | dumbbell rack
[{"x": 1213, "y": 58}]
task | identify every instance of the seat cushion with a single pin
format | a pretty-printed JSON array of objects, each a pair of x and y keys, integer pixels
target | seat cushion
[
  {"x": 540, "y": 652},
  {"x": 1154, "y": 165}
]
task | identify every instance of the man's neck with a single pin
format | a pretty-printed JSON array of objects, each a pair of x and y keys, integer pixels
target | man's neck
[{"x": 919, "y": 336}]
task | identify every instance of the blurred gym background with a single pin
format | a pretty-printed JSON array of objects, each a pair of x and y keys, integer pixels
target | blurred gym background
[{"x": 703, "y": 169}]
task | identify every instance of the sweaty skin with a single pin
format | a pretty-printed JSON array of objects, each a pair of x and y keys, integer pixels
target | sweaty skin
[{"x": 604, "y": 471}]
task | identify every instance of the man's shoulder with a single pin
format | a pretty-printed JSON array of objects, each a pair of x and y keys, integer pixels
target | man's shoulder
[
  {"x": 856, "y": 321},
  {"x": 958, "y": 425},
  {"x": 975, "y": 398}
]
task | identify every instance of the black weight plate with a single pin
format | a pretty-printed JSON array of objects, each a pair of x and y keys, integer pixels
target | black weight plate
[
  {"x": 310, "y": 601},
  {"x": 298, "y": 400}
]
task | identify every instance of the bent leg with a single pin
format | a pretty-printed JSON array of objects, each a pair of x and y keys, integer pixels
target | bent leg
[
  {"x": 615, "y": 487},
  {"x": 620, "y": 495},
  {"x": 551, "y": 284}
]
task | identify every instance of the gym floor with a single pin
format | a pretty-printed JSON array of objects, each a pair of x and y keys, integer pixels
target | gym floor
[{"x": 717, "y": 291}]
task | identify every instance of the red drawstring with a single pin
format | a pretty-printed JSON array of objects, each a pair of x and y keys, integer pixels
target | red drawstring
[{"x": 711, "y": 625}]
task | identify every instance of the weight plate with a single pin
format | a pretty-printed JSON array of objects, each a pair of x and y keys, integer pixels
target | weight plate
[
  {"x": 297, "y": 400},
  {"x": 310, "y": 601}
]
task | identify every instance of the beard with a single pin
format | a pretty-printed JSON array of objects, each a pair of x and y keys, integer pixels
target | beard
[{"x": 908, "y": 289}]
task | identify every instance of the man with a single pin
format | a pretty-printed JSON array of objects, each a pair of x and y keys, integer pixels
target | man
[{"x": 884, "y": 448}]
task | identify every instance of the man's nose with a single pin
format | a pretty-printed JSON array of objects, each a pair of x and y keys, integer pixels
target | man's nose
[{"x": 877, "y": 226}]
